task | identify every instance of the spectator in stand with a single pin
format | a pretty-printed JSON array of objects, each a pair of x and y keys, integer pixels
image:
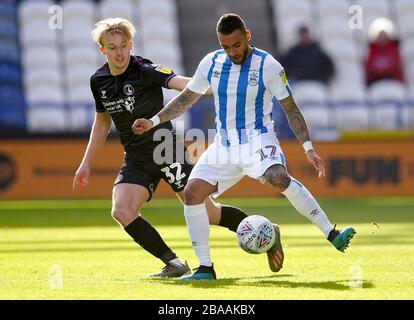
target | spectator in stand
[
  {"x": 383, "y": 60},
  {"x": 307, "y": 61}
]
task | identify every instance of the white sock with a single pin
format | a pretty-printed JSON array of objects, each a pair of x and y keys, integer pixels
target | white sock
[
  {"x": 305, "y": 203},
  {"x": 199, "y": 230}
]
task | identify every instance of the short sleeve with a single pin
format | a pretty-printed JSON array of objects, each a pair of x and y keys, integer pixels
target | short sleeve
[
  {"x": 98, "y": 103},
  {"x": 199, "y": 82},
  {"x": 275, "y": 79},
  {"x": 160, "y": 75}
]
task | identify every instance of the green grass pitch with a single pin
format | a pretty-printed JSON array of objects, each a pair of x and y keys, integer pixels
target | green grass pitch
[{"x": 74, "y": 250}]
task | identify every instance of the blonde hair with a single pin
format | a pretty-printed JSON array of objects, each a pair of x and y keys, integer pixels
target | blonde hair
[{"x": 116, "y": 25}]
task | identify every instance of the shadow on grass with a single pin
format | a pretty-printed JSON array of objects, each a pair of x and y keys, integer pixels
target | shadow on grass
[
  {"x": 33, "y": 215},
  {"x": 80, "y": 245},
  {"x": 277, "y": 281},
  {"x": 218, "y": 241}
]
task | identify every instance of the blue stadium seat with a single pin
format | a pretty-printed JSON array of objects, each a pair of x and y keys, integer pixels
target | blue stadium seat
[
  {"x": 12, "y": 108},
  {"x": 8, "y": 9},
  {"x": 8, "y": 29},
  {"x": 11, "y": 95},
  {"x": 12, "y": 117},
  {"x": 9, "y": 52},
  {"x": 10, "y": 74}
]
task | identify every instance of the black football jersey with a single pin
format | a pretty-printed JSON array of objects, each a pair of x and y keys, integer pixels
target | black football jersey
[{"x": 136, "y": 93}]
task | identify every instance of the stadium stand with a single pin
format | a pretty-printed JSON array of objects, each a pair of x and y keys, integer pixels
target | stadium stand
[
  {"x": 385, "y": 106},
  {"x": 313, "y": 97},
  {"x": 160, "y": 35},
  {"x": 387, "y": 98},
  {"x": 288, "y": 17},
  {"x": 12, "y": 105},
  {"x": 43, "y": 81},
  {"x": 44, "y": 71},
  {"x": 198, "y": 21},
  {"x": 351, "y": 110}
]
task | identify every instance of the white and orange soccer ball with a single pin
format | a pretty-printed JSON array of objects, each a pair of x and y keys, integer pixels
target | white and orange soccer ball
[{"x": 256, "y": 234}]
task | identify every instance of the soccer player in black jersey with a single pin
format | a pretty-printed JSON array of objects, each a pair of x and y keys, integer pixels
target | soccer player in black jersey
[{"x": 127, "y": 88}]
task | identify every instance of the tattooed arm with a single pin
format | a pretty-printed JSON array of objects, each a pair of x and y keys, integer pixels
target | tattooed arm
[
  {"x": 300, "y": 129},
  {"x": 296, "y": 120},
  {"x": 176, "y": 107}
]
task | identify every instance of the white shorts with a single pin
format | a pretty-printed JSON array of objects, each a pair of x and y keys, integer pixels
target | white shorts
[{"x": 225, "y": 166}]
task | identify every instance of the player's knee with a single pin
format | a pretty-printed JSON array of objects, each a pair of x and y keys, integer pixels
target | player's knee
[
  {"x": 191, "y": 196},
  {"x": 123, "y": 216},
  {"x": 278, "y": 179}
]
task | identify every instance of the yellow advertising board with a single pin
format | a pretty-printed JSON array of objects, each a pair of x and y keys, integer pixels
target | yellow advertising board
[{"x": 43, "y": 169}]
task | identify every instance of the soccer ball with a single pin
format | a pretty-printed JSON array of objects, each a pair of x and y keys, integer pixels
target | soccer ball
[{"x": 255, "y": 234}]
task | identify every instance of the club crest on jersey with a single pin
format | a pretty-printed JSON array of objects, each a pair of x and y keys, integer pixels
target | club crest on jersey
[
  {"x": 129, "y": 104},
  {"x": 129, "y": 89},
  {"x": 103, "y": 94},
  {"x": 253, "y": 78},
  {"x": 162, "y": 69}
]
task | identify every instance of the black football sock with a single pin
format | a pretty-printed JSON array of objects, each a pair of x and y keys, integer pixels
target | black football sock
[
  {"x": 231, "y": 217},
  {"x": 147, "y": 237}
]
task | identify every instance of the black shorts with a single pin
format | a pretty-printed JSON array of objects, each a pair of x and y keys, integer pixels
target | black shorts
[{"x": 141, "y": 169}]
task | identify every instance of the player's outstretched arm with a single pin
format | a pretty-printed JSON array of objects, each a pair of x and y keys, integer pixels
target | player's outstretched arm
[
  {"x": 296, "y": 120},
  {"x": 300, "y": 129},
  {"x": 176, "y": 107}
]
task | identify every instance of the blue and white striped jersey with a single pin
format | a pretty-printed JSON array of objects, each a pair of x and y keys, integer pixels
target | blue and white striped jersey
[{"x": 242, "y": 93}]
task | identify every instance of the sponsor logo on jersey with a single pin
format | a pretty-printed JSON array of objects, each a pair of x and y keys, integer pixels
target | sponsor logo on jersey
[
  {"x": 282, "y": 75},
  {"x": 103, "y": 94},
  {"x": 129, "y": 89},
  {"x": 129, "y": 104},
  {"x": 163, "y": 69},
  {"x": 216, "y": 74},
  {"x": 119, "y": 105},
  {"x": 253, "y": 78}
]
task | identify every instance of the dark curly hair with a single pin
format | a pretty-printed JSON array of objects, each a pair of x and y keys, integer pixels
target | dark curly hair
[{"x": 229, "y": 22}]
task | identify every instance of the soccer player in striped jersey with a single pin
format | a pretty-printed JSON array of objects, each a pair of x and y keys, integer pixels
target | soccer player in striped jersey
[
  {"x": 244, "y": 81},
  {"x": 126, "y": 88}
]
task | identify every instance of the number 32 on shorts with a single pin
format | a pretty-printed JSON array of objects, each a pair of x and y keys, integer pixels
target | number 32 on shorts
[{"x": 176, "y": 179}]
